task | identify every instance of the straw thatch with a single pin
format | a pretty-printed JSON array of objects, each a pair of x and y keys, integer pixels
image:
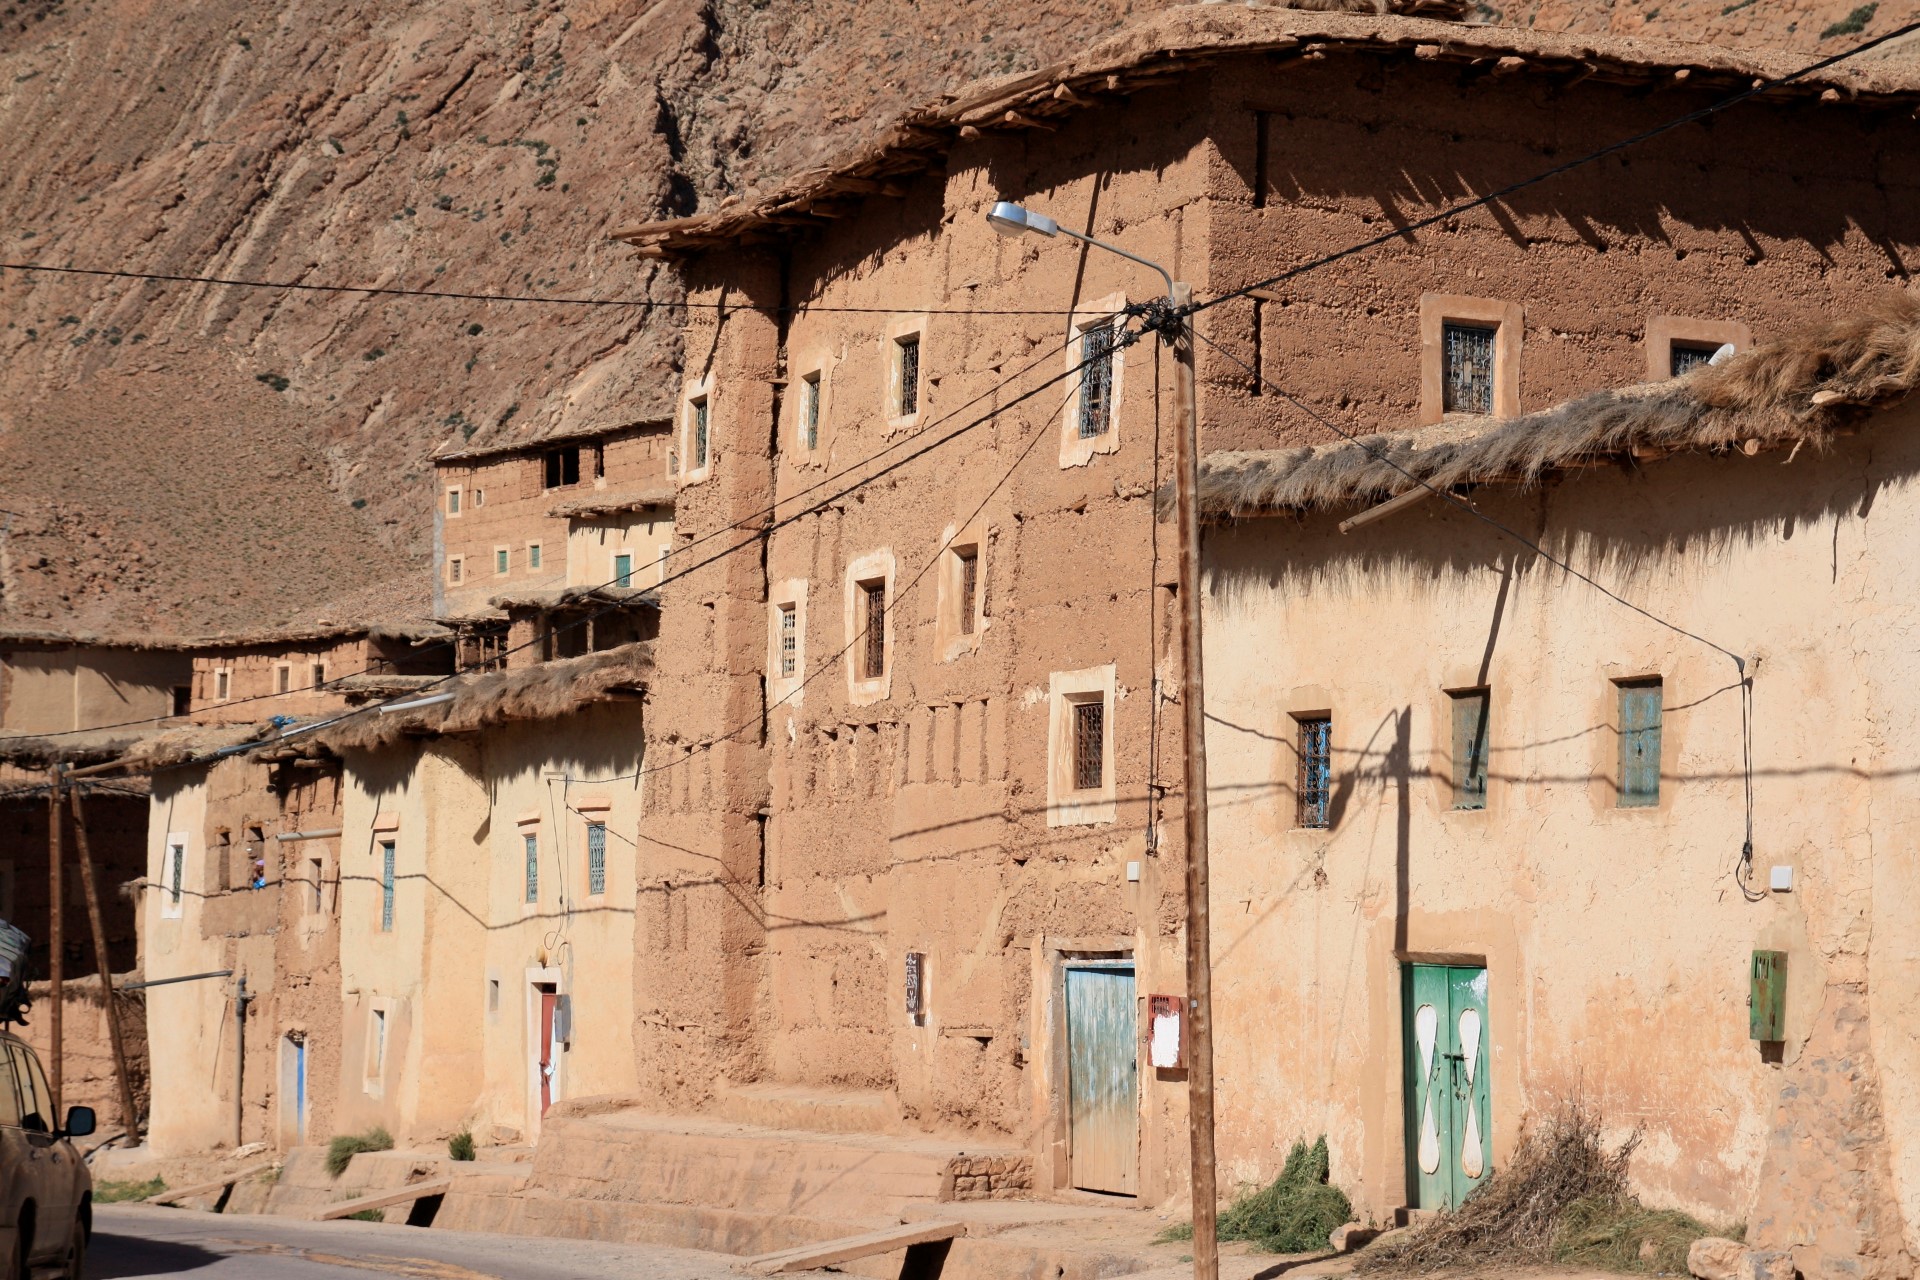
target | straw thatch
[
  {"x": 88, "y": 746},
  {"x": 1796, "y": 391},
  {"x": 569, "y": 597},
  {"x": 544, "y": 692},
  {"x": 193, "y": 742},
  {"x": 613, "y": 504}
]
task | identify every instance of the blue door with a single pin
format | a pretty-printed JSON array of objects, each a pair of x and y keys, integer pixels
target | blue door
[
  {"x": 300, "y": 1090},
  {"x": 1103, "y": 1106}
]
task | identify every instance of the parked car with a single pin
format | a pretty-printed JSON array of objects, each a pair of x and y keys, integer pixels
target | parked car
[{"x": 46, "y": 1192}]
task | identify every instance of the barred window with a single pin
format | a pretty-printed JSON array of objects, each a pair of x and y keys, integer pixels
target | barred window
[
  {"x": 596, "y": 858},
  {"x": 1469, "y": 367},
  {"x": 179, "y": 852},
  {"x": 386, "y": 886},
  {"x": 1096, "y": 380},
  {"x": 533, "y": 867},
  {"x": 1316, "y": 772},
  {"x": 1089, "y": 745},
  {"x": 969, "y": 558},
  {"x": 789, "y": 640},
  {"x": 873, "y": 612},
  {"x": 1685, "y": 357},
  {"x": 697, "y": 445},
  {"x": 810, "y": 410},
  {"x": 908, "y": 357}
]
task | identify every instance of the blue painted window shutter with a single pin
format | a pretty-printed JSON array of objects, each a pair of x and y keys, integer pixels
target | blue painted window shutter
[{"x": 1640, "y": 743}]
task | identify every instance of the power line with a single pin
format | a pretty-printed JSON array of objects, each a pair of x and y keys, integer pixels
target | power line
[
  {"x": 1465, "y": 206},
  {"x": 391, "y": 291}
]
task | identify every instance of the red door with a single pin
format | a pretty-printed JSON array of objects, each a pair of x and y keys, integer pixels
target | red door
[{"x": 547, "y": 1000}]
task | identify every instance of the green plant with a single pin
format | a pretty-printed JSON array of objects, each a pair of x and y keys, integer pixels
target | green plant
[
  {"x": 1621, "y": 1234},
  {"x": 111, "y": 1192},
  {"x": 460, "y": 1146},
  {"x": 342, "y": 1150},
  {"x": 1853, "y": 22},
  {"x": 369, "y": 1215},
  {"x": 1295, "y": 1213}
]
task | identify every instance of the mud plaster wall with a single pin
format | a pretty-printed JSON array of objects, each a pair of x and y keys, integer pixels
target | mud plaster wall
[
  {"x": 89, "y": 1078},
  {"x": 55, "y": 690},
  {"x": 1617, "y": 941},
  {"x": 1809, "y": 211},
  {"x": 253, "y": 689}
]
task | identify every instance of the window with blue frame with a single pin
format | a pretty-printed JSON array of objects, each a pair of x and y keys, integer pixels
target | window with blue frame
[
  {"x": 1640, "y": 707},
  {"x": 1314, "y": 792}
]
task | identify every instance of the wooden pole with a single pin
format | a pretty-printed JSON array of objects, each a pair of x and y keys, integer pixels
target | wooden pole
[
  {"x": 56, "y": 941},
  {"x": 1206, "y": 1245},
  {"x": 129, "y": 1117}
]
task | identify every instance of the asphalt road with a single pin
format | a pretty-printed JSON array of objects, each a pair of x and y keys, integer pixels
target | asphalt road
[{"x": 141, "y": 1241}]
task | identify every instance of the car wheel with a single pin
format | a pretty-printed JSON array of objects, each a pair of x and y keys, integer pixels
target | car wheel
[{"x": 75, "y": 1264}]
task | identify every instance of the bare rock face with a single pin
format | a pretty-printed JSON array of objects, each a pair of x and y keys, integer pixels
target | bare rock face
[
  {"x": 1716, "y": 1258},
  {"x": 464, "y": 147}
]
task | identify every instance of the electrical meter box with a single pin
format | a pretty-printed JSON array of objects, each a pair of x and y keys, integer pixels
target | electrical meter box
[{"x": 1767, "y": 1001}]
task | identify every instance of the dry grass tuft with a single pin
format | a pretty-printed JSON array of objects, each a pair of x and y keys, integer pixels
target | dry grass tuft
[{"x": 1624, "y": 1235}]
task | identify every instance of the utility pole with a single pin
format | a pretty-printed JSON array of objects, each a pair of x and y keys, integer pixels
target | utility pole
[
  {"x": 1186, "y": 485},
  {"x": 56, "y": 939},
  {"x": 129, "y": 1118}
]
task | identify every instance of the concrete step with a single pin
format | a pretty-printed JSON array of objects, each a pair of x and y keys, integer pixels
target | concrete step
[
  {"x": 305, "y": 1185},
  {"x": 783, "y": 1106}
]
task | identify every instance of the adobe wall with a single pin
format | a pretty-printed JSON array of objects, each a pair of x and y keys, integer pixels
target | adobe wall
[
  {"x": 89, "y": 1076},
  {"x": 593, "y": 542},
  {"x": 253, "y": 679},
  {"x": 1769, "y": 216},
  {"x": 54, "y": 690},
  {"x": 1617, "y": 941}
]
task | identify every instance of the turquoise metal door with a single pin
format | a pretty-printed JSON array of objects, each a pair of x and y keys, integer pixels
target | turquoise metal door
[
  {"x": 1449, "y": 1137},
  {"x": 1103, "y": 1108}
]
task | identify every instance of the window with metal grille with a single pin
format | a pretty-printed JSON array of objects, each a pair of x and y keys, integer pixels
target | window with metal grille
[
  {"x": 623, "y": 569},
  {"x": 1469, "y": 367},
  {"x": 873, "y": 614},
  {"x": 789, "y": 640},
  {"x": 907, "y": 357},
  {"x": 386, "y": 886},
  {"x": 1089, "y": 745},
  {"x": 562, "y": 467},
  {"x": 179, "y": 870},
  {"x": 810, "y": 411},
  {"x": 1685, "y": 357},
  {"x": 456, "y": 570},
  {"x": 697, "y": 433},
  {"x": 969, "y": 558},
  {"x": 533, "y": 868},
  {"x": 1315, "y": 789},
  {"x": 596, "y": 857},
  {"x": 1640, "y": 706},
  {"x": 1096, "y": 380},
  {"x": 1470, "y": 709}
]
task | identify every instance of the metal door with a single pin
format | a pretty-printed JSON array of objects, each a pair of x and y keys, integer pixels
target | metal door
[
  {"x": 1449, "y": 1135},
  {"x": 547, "y": 1000},
  {"x": 300, "y": 1091},
  {"x": 1103, "y": 1108}
]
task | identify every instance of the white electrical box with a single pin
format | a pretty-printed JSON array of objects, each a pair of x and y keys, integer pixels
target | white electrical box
[
  {"x": 1133, "y": 871},
  {"x": 1781, "y": 880}
]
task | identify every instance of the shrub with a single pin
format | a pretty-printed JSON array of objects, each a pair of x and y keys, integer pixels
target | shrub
[
  {"x": 110, "y": 1192},
  {"x": 369, "y": 1215},
  {"x": 342, "y": 1150},
  {"x": 1295, "y": 1213},
  {"x": 460, "y": 1145}
]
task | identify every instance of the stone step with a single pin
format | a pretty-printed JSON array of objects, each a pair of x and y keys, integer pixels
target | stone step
[{"x": 781, "y": 1106}]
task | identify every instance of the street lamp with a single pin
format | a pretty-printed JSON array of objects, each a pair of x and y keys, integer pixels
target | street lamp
[{"x": 1012, "y": 220}]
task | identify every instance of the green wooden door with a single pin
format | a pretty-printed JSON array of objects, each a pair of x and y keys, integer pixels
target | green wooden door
[
  {"x": 1103, "y": 1092},
  {"x": 1449, "y": 1138}
]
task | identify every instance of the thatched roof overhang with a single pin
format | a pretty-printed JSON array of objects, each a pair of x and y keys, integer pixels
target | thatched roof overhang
[
  {"x": 1186, "y": 40},
  {"x": 587, "y": 434},
  {"x": 596, "y": 505},
  {"x": 580, "y": 597}
]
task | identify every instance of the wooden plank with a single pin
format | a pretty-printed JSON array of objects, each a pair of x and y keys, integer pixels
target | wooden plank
[
  {"x": 202, "y": 1188},
  {"x": 380, "y": 1200},
  {"x": 831, "y": 1252}
]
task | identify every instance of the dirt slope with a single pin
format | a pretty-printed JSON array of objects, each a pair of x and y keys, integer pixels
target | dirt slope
[{"x": 467, "y": 145}]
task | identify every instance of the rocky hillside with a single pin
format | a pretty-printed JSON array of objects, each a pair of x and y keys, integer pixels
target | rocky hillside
[{"x": 481, "y": 146}]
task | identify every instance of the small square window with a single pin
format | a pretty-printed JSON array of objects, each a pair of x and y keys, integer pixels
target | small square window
[
  {"x": 562, "y": 467},
  {"x": 1685, "y": 357},
  {"x": 1470, "y": 724},
  {"x": 810, "y": 411},
  {"x": 222, "y": 685},
  {"x": 1089, "y": 745},
  {"x": 1640, "y": 711},
  {"x": 596, "y": 858},
  {"x": 873, "y": 618},
  {"x": 500, "y": 561},
  {"x": 1468, "y": 373},
  {"x": 1096, "y": 380},
  {"x": 789, "y": 640},
  {"x": 318, "y": 675},
  {"x": 282, "y": 678},
  {"x": 453, "y": 501},
  {"x": 968, "y": 596},
  {"x": 623, "y": 569},
  {"x": 456, "y": 570},
  {"x": 1313, "y": 796},
  {"x": 533, "y": 555},
  {"x": 906, "y": 362},
  {"x": 479, "y": 497},
  {"x": 697, "y": 433}
]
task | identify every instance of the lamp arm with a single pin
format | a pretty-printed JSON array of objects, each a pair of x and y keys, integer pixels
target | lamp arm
[{"x": 1102, "y": 244}]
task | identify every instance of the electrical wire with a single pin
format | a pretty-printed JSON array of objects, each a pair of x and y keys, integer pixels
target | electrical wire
[{"x": 1466, "y": 206}]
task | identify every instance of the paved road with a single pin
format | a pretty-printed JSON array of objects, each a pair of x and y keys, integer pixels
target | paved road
[{"x": 139, "y": 1241}]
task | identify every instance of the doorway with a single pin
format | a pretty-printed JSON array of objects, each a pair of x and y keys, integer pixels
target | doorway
[
  {"x": 293, "y": 1089},
  {"x": 545, "y": 1057},
  {"x": 1449, "y": 1130},
  {"x": 1103, "y": 1091}
]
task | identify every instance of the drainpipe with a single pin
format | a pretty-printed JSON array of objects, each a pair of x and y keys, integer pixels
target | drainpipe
[{"x": 240, "y": 998}]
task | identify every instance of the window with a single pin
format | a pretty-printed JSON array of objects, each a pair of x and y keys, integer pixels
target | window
[
  {"x": 623, "y": 569},
  {"x": 223, "y": 859},
  {"x": 254, "y": 870},
  {"x": 222, "y": 683},
  {"x": 810, "y": 411},
  {"x": 1640, "y": 705},
  {"x": 386, "y": 886},
  {"x": 873, "y": 625},
  {"x": 377, "y": 1045},
  {"x": 789, "y": 640},
  {"x": 1468, "y": 367},
  {"x": 1315, "y": 788},
  {"x": 596, "y": 858},
  {"x": 316, "y": 874},
  {"x": 906, "y": 365},
  {"x": 182, "y": 699},
  {"x": 533, "y": 866},
  {"x": 697, "y": 433},
  {"x": 453, "y": 501},
  {"x": 479, "y": 497},
  {"x": 533, "y": 556},
  {"x": 1470, "y": 710},
  {"x": 1089, "y": 745},
  {"x": 500, "y": 561},
  {"x": 562, "y": 467},
  {"x": 1685, "y": 357},
  {"x": 493, "y": 995},
  {"x": 1096, "y": 380},
  {"x": 456, "y": 570},
  {"x": 176, "y": 872},
  {"x": 968, "y": 595},
  {"x": 319, "y": 675},
  {"x": 283, "y": 677}
]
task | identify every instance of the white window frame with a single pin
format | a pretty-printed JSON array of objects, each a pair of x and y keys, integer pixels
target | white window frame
[
  {"x": 1508, "y": 322},
  {"x": 1068, "y": 805},
  {"x": 701, "y": 389},
  {"x": 614, "y": 575},
  {"x": 790, "y": 690},
  {"x": 865, "y": 690},
  {"x": 479, "y": 497},
  {"x": 502, "y": 561},
  {"x": 456, "y": 507},
  {"x": 283, "y": 677},
  {"x": 891, "y": 387},
  {"x": 456, "y": 571},
  {"x": 1075, "y": 451},
  {"x": 536, "y": 557},
  {"x": 222, "y": 684},
  {"x": 173, "y": 893},
  {"x": 950, "y": 640},
  {"x": 528, "y": 826},
  {"x": 595, "y": 811},
  {"x": 815, "y": 376}
]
